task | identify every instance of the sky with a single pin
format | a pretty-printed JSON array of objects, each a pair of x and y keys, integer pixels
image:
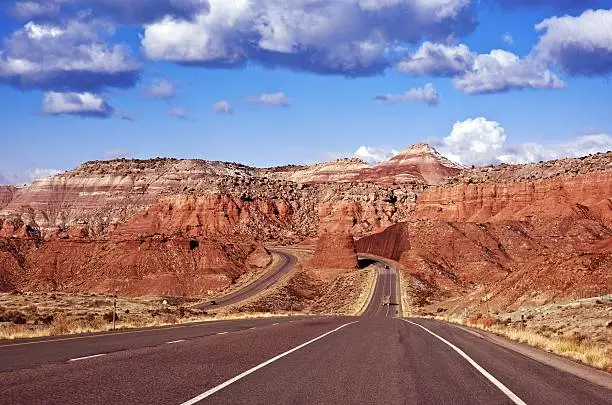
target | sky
[{"x": 271, "y": 82}]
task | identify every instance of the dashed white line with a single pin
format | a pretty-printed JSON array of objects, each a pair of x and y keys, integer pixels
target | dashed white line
[
  {"x": 222, "y": 333},
  {"x": 513, "y": 397},
  {"x": 87, "y": 357},
  {"x": 219, "y": 387},
  {"x": 175, "y": 341},
  {"x": 275, "y": 324},
  {"x": 252, "y": 328}
]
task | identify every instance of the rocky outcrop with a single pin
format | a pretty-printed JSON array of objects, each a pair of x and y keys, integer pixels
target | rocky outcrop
[
  {"x": 161, "y": 252},
  {"x": 540, "y": 200},
  {"x": 335, "y": 247},
  {"x": 6, "y": 195},
  {"x": 343, "y": 170},
  {"x": 510, "y": 235},
  {"x": 420, "y": 165},
  {"x": 508, "y": 263}
]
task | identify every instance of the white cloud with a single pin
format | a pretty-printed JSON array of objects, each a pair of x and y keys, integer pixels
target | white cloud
[
  {"x": 162, "y": 90},
  {"x": 348, "y": 37},
  {"x": 500, "y": 71},
  {"x": 427, "y": 94},
  {"x": 508, "y": 39},
  {"x": 81, "y": 104},
  {"x": 480, "y": 142},
  {"x": 437, "y": 60},
  {"x": 28, "y": 10},
  {"x": 223, "y": 107},
  {"x": 66, "y": 57},
  {"x": 474, "y": 141},
  {"x": 178, "y": 112},
  {"x": 374, "y": 155},
  {"x": 497, "y": 71},
  {"x": 580, "y": 45},
  {"x": 271, "y": 99}
]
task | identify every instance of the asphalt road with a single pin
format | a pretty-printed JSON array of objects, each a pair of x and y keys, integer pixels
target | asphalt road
[
  {"x": 385, "y": 300},
  {"x": 372, "y": 359},
  {"x": 266, "y": 281}
]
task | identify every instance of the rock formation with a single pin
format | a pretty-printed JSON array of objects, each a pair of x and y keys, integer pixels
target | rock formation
[
  {"x": 510, "y": 234},
  {"x": 335, "y": 247}
]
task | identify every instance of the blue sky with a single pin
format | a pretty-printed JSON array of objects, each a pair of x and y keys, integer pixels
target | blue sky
[{"x": 84, "y": 79}]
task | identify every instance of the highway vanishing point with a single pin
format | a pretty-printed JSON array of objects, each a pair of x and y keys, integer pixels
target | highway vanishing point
[{"x": 376, "y": 358}]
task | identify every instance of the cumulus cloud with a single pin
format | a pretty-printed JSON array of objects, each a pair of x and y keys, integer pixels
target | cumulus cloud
[
  {"x": 474, "y": 141},
  {"x": 79, "y": 104},
  {"x": 497, "y": 71},
  {"x": 480, "y": 142},
  {"x": 270, "y": 99},
  {"x": 437, "y": 60},
  {"x": 67, "y": 57},
  {"x": 579, "y": 45},
  {"x": 426, "y": 94},
  {"x": 375, "y": 155},
  {"x": 178, "y": 112},
  {"x": 501, "y": 71},
  {"x": 223, "y": 107},
  {"x": 161, "y": 90},
  {"x": 124, "y": 11},
  {"x": 349, "y": 37}
]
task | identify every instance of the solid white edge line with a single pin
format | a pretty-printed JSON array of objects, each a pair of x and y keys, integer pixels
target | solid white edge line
[
  {"x": 219, "y": 387},
  {"x": 87, "y": 357},
  {"x": 175, "y": 341},
  {"x": 222, "y": 333},
  {"x": 513, "y": 397}
]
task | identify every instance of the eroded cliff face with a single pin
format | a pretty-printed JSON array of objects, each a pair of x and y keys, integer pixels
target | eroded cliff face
[
  {"x": 156, "y": 253},
  {"x": 98, "y": 197},
  {"x": 506, "y": 263},
  {"x": 7, "y": 193},
  {"x": 335, "y": 247},
  {"x": 510, "y": 235},
  {"x": 547, "y": 199}
]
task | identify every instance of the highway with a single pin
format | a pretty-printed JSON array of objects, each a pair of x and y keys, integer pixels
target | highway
[
  {"x": 373, "y": 359},
  {"x": 287, "y": 261}
]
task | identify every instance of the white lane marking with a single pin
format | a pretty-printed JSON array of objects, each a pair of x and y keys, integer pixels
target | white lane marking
[
  {"x": 88, "y": 357},
  {"x": 275, "y": 324},
  {"x": 513, "y": 397},
  {"x": 175, "y": 341},
  {"x": 219, "y": 387},
  {"x": 222, "y": 333},
  {"x": 252, "y": 328}
]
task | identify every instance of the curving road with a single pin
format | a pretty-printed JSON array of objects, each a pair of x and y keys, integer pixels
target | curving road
[
  {"x": 270, "y": 278},
  {"x": 372, "y": 359}
]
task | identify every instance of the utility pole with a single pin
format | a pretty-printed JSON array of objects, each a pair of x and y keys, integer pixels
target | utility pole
[{"x": 114, "y": 311}]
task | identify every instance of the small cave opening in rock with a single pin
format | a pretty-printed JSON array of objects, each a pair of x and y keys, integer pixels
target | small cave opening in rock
[{"x": 193, "y": 244}]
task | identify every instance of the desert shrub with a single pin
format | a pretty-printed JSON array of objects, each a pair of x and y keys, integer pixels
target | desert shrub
[
  {"x": 108, "y": 317},
  {"x": 16, "y": 317},
  {"x": 46, "y": 319}
]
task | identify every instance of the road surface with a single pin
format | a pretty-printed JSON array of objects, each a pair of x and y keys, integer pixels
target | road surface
[
  {"x": 385, "y": 300},
  {"x": 287, "y": 262},
  {"x": 372, "y": 359}
]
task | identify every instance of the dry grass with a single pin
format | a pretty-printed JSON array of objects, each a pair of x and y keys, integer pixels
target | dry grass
[
  {"x": 65, "y": 314},
  {"x": 577, "y": 347}
]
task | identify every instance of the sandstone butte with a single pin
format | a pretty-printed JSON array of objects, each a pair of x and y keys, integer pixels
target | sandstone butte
[{"x": 515, "y": 234}]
